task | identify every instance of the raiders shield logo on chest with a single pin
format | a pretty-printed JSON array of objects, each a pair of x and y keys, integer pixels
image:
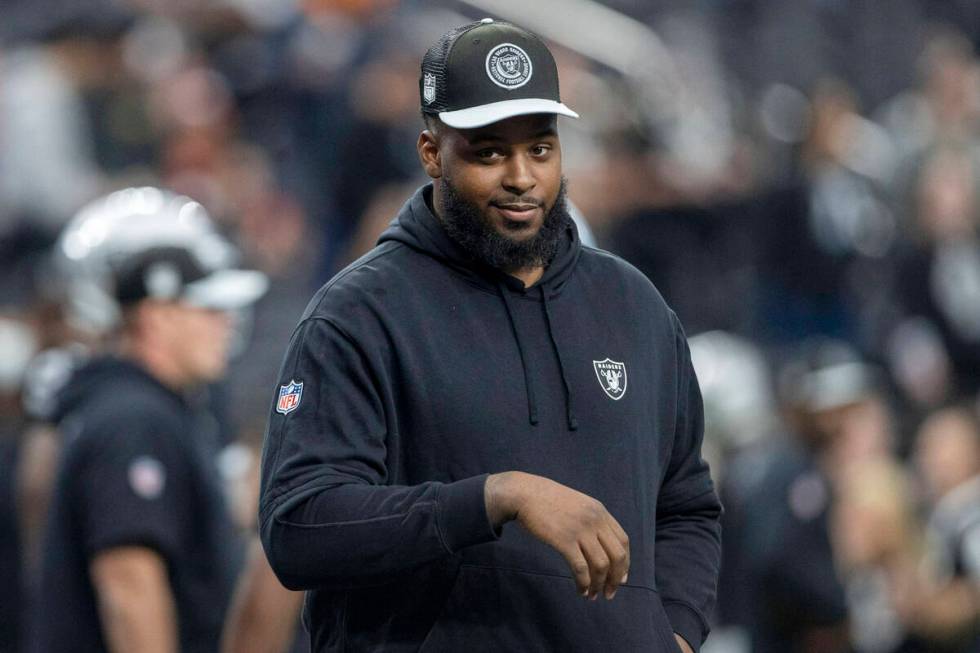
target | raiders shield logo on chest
[{"x": 612, "y": 377}]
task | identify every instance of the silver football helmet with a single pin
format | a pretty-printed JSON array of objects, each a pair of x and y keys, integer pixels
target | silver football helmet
[{"x": 146, "y": 242}]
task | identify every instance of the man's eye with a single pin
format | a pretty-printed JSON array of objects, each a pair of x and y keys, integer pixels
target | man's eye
[
  {"x": 487, "y": 154},
  {"x": 540, "y": 150}
]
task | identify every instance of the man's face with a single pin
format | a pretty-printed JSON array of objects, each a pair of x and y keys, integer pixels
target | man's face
[
  {"x": 947, "y": 452},
  {"x": 198, "y": 339},
  {"x": 501, "y": 184}
]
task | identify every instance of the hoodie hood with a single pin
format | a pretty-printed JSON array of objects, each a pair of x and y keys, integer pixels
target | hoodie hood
[
  {"x": 92, "y": 377},
  {"x": 417, "y": 227}
]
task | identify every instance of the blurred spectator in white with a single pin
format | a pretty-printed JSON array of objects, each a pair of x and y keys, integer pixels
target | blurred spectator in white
[
  {"x": 47, "y": 163},
  {"x": 878, "y": 546},
  {"x": 825, "y": 229},
  {"x": 935, "y": 349},
  {"x": 741, "y": 429},
  {"x": 944, "y": 109},
  {"x": 946, "y": 609}
]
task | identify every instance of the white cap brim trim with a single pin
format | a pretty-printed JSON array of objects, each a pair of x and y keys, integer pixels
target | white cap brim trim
[
  {"x": 226, "y": 289},
  {"x": 496, "y": 111}
]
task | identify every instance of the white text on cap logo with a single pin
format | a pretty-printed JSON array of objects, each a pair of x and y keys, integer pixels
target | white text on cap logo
[
  {"x": 429, "y": 88},
  {"x": 508, "y": 66}
]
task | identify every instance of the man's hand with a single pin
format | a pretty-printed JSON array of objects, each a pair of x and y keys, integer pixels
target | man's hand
[
  {"x": 685, "y": 647},
  {"x": 574, "y": 524}
]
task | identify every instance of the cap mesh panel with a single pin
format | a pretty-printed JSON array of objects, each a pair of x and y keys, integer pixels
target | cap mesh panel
[{"x": 434, "y": 62}]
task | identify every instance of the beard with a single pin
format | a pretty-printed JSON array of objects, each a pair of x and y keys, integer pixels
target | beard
[{"x": 467, "y": 225}]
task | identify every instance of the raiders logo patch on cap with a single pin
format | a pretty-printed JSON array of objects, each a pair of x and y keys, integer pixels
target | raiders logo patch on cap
[{"x": 508, "y": 66}]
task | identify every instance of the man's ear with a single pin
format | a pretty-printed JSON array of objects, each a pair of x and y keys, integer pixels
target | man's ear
[
  {"x": 138, "y": 316},
  {"x": 147, "y": 317},
  {"x": 428, "y": 149}
]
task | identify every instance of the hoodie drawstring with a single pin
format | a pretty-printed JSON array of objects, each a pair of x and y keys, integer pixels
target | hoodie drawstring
[
  {"x": 569, "y": 413},
  {"x": 532, "y": 406}
]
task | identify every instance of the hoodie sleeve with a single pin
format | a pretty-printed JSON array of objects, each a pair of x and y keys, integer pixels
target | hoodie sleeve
[
  {"x": 327, "y": 513},
  {"x": 688, "y": 544}
]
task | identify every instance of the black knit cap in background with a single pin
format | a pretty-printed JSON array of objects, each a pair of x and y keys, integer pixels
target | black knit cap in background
[{"x": 488, "y": 71}]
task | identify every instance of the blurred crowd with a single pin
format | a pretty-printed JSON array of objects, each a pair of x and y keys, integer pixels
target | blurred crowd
[{"x": 799, "y": 178}]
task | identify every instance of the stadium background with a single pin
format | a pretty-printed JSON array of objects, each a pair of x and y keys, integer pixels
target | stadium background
[{"x": 798, "y": 177}]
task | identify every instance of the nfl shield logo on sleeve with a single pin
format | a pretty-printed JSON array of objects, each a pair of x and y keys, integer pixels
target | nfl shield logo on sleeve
[{"x": 289, "y": 397}]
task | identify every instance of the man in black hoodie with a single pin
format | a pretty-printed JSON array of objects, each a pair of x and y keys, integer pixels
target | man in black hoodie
[
  {"x": 481, "y": 366},
  {"x": 140, "y": 553}
]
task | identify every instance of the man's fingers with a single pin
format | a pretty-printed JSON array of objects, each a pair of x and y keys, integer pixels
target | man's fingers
[
  {"x": 580, "y": 570},
  {"x": 598, "y": 561},
  {"x": 624, "y": 539},
  {"x": 619, "y": 561}
]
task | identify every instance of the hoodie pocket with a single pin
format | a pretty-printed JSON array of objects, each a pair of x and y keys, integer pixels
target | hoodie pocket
[
  {"x": 394, "y": 617},
  {"x": 491, "y": 610}
]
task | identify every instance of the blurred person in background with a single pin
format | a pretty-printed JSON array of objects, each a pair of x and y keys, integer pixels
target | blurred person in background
[
  {"x": 934, "y": 346},
  {"x": 794, "y": 595},
  {"x": 49, "y": 163},
  {"x": 947, "y": 607},
  {"x": 878, "y": 545},
  {"x": 140, "y": 553},
  {"x": 825, "y": 227},
  {"x": 698, "y": 251},
  {"x": 264, "y": 616},
  {"x": 22, "y": 332},
  {"x": 13, "y": 334},
  {"x": 741, "y": 428},
  {"x": 11, "y": 553},
  {"x": 942, "y": 109},
  {"x": 697, "y": 254}
]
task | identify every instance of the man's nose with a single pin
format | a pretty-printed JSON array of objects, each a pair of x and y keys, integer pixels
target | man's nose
[{"x": 519, "y": 177}]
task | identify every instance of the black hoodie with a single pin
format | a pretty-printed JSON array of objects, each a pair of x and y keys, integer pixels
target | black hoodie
[{"x": 415, "y": 373}]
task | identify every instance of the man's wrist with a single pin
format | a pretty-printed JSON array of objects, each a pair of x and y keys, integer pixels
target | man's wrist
[{"x": 500, "y": 495}]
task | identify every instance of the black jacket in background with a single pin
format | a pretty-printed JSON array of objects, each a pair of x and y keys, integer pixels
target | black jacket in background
[
  {"x": 11, "y": 566},
  {"x": 138, "y": 468},
  {"x": 423, "y": 372}
]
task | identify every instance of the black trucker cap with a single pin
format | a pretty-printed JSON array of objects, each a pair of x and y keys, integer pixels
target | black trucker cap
[{"x": 487, "y": 71}]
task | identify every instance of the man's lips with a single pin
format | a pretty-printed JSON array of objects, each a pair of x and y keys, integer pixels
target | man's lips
[{"x": 517, "y": 211}]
